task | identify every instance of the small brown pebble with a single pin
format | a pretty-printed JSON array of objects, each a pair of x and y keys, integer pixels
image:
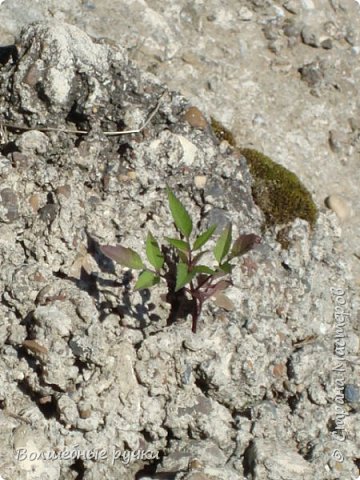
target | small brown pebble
[
  {"x": 32, "y": 76},
  {"x": 86, "y": 413},
  {"x": 34, "y": 346},
  {"x": 195, "y": 118},
  {"x": 35, "y": 201},
  {"x": 195, "y": 464},
  {"x": 64, "y": 190},
  {"x": 9, "y": 204},
  {"x": 279, "y": 370},
  {"x": 38, "y": 277}
]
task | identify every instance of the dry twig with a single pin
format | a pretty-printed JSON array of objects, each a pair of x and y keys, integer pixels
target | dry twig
[{"x": 85, "y": 132}]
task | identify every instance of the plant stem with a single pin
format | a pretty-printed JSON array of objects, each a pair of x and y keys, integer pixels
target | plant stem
[{"x": 196, "y": 314}]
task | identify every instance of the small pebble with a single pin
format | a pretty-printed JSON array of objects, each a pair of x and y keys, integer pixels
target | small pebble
[
  {"x": 64, "y": 190},
  {"x": 245, "y": 14},
  {"x": 8, "y": 205},
  {"x": 279, "y": 370},
  {"x": 292, "y": 6},
  {"x": 352, "y": 393},
  {"x": 327, "y": 44},
  {"x": 35, "y": 201},
  {"x": 309, "y": 37},
  {"x": 308, "y": 4},
  {"x": 339, "y": 205},
  {"x": 292, "y": 28},
  {"x": 195, "y": 118},
  {"x": 337, "y": 139},
  {"x": 32, "y": 142},
  {"x": 312, "y": 73},
  {"x": 200, "y": 181}
]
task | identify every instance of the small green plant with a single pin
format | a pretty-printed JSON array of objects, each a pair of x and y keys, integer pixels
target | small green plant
[{"x": 199, "y": 281}]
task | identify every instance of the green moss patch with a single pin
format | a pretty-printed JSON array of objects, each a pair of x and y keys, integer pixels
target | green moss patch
[
  {"x": 277, "y": 191},
  {"x": 222, "y": 133}
]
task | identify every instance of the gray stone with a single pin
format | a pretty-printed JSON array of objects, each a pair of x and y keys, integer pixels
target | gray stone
[
  {"x": 352, "y": 393},
  {"x": 276, "y": 461},
  {"x": 310, "y": 37}
]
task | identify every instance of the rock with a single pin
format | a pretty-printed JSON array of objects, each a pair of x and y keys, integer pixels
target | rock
[
  {"x": 8, "y": 205},
  {"x": 292, "y": 28},
  {"x": 339, "y": 205},
  {"x": 32, "y": 142},
  {"x": 352, "y": 393},
  {"x": 310, "y": 37},
  {"x": 337, "y": 140},
  {"x": 264, "y": 456},
  {"x": 200, "y": 181},
  {"x": 245, "y": 14},
  {"x": 312, "y": 73},
  {"x": 292, "y": 6},
  {"x": 307, "y": 4},
  {"x": 327, "y": 44},
  {"x": 195, "y": 118}
]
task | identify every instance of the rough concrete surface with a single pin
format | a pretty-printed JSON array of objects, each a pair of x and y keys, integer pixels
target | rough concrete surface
[{"x": 92, "y": 373}]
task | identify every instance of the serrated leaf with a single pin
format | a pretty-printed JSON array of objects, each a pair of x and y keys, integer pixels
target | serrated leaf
[
  {"x": 178, "y": 244},
  {"x": 181, "y": 217},
  {"x": 123, "y": 255},
  {"x": 203, "y": 269},
  {"x": 204, "y": 237},
  {"x": 222, "y": 246},
  {"x": 153, "y": 252},
  {"x": 243, "y": 244},
  {"x": 183, "y": 276},
  {"x": 146, "y": 279}
]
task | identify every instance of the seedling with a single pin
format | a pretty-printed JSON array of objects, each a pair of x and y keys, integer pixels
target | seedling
[{"x": 199, "y": 281}]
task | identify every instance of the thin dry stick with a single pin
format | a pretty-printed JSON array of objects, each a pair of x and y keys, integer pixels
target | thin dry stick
[{"x": 84, "y": 132}]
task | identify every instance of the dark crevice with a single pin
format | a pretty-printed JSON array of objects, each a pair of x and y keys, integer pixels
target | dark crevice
[
  {"x": 9, "y": 147},
  {"x": 248, "y": 463},
  {"x": 203, "y": 385},
  {"x": 293, "y": 402},
  {"x": 8, "y": 52},
  {"x": 78, "y": 117},
  {"x": 150, "y": 470},
  {"x": 79, "y": 468},
  {"x": 48, "y": 409}
]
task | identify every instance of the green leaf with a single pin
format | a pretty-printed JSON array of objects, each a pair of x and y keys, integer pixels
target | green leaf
[
  {"x": 153, "y": 252},
  {"x": 181, "y": 217},
  {"x": 125, "y": 256},
  {"x": 197, "y": 257},
  {"x": 226, "y": 267},
  {"x": 203, "y": 269},
  {"x": 183, "y": 257},
  {"x": 183, "y": 276},
  {"x": 222, "y": 246},
  {"x": 179, "y": 244},
  {"x": 204, "y": 237},
  {"x": 146, "y": 279},
  {"x": 243, "y": 244}
]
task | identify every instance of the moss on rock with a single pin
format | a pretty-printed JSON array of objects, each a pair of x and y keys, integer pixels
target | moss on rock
[
  {"x": 222, "y": 133},
  {"x": 277, "y": 191}
]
